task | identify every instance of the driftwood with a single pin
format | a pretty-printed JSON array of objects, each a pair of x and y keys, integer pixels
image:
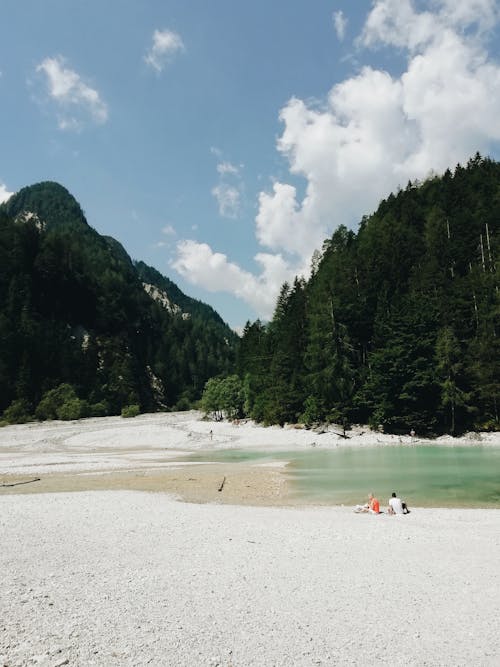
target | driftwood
[
  {"x": 222, "y": 485},
  {"x": 29, "y": 481}
]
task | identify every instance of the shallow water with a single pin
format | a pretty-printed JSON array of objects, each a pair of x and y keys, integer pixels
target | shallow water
[{"x": 431, "y": 476}]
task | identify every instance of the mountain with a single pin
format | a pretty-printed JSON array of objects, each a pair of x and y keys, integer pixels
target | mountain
[
  {"x": 177, "y": 300},
  {"x": 75, "y": 310},
  {"x": 399, "y": 323}
]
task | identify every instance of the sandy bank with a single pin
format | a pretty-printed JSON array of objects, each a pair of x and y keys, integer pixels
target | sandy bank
[
  {"x": 151, "y": 440},
  {"x": 121, "y": 578},
  {"x": 145, "y": 454}
]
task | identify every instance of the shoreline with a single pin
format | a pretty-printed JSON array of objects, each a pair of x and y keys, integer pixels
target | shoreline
[{"x": 150, "y": 453}]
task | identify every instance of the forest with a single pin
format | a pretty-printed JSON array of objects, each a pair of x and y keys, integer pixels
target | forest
[
  {"x": 80, "y": 334},
  {"x": 398, "y": 325}
]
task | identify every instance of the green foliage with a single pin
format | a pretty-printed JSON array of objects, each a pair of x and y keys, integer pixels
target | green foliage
[
  {"x": 130, "y": 411},
  {"x": 398, "y": 324},
  {"x": 211, "y": 399},
  {"x": 100, "y": 409},
  {"x": 72, "y": 409},
  {"x": 223, "y": 396},
  {"x": 59, "y": 403},
  {"x": 314, "y": 411},
  {"x": 18, "y": 412},
  {"x": 73, "y": 310}
]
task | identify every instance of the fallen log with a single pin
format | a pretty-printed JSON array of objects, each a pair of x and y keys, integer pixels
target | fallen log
[{"x": 29, "y": 481}]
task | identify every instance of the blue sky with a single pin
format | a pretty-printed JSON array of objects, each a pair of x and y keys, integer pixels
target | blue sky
[{"x": 222, "y": 141}]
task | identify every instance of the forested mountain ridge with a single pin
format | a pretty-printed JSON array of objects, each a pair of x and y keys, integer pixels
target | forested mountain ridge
[
  {"x": 185, "y": 304},
  {"x": 75, "y": 311},
  {"x": 399, "y": 323}
]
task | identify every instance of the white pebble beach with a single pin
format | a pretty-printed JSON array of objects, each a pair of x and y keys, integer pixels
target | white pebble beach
[{"x": 126, "y": 577}]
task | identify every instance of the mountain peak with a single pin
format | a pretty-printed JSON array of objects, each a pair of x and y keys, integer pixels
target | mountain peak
[{"x": 48, "y": 202}]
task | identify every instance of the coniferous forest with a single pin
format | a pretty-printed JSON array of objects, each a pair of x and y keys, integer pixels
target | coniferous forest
[
  {"x": 399, "y": 323},
  {"x": 86, "y": 331}
]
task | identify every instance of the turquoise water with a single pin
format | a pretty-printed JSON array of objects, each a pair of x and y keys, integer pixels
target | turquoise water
[{"x": 422, "y": 475}]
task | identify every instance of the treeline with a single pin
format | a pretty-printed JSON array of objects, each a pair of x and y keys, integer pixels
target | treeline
[
  {"x": 398, "y": 324},
  {"x": 79, "y": 334}
]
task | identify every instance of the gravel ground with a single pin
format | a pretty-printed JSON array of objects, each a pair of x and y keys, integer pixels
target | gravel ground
[{"x": 132, "y": 578}]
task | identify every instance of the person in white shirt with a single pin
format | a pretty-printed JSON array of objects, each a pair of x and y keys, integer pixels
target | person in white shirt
[{"x": 396, "y": 505}]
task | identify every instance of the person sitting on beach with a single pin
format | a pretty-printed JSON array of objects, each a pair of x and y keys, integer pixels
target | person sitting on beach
[
  {"x": 372, "y": 506},
  {"x": 396, "y": 505}
]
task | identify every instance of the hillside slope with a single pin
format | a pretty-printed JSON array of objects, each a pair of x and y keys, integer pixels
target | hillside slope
[{"x": 74, "y": 309}]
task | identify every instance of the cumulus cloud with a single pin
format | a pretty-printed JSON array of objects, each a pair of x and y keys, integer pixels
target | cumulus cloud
[
  {"x": 77, "y": 102},
  {"x": 396, "y": 23},
  {"x": 198, "y": 264},
  {"x": 483, "y": 13},
  {"x": 4, "y": 193},
  {"x": 340, "y": 24},
  {"x": 166, "y": 44},
  {"x": 376, "y": 130}
]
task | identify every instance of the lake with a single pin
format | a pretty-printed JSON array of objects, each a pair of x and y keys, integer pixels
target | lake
[{"x": 423, "y": 475}]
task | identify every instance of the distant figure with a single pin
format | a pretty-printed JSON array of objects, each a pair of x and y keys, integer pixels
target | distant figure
[
  {"x": 412, "y": 433},
  {"x": 372, "y": 506},
  {"x": 211, "y": 435},
  {"x": 396, "y": 505}
]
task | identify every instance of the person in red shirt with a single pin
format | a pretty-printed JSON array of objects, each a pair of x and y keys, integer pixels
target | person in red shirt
[{"x": 372, "y": 506}]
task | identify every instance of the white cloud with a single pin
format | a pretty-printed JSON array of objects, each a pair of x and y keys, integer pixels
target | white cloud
[
  {"x": 4, "y": 193},
  {"x": 228, "y": 200},
  {"x": 396, "y": 23},
  {"x": 376, "y": 131},
  {"x": 76, "y": 101},
  {"x": 228, "y": 190},
  {"x": 340, "y": 24},
  {"x": 166, "y": 44},
  {"x": 168, "y": 230},
  {"x": 198, "y": 264},
  {"x": 483, "y": 13},
  {"x": 224, "y": 168},
  {"x": 372, "y": 133}
]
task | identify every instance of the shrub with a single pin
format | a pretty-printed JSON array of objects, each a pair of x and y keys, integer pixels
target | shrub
[
  {"x": 53, "y": 401},
  {"x": 182, "y": 405},
  {"x": 100, "y": 409},
  {"x": 130, "y": 411},
  {"x": 18, "y": 412},
  {"x": 72, "y": 409}
]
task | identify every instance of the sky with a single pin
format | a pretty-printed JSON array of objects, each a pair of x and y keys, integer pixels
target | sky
[{"x": 223, "y": 141}]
